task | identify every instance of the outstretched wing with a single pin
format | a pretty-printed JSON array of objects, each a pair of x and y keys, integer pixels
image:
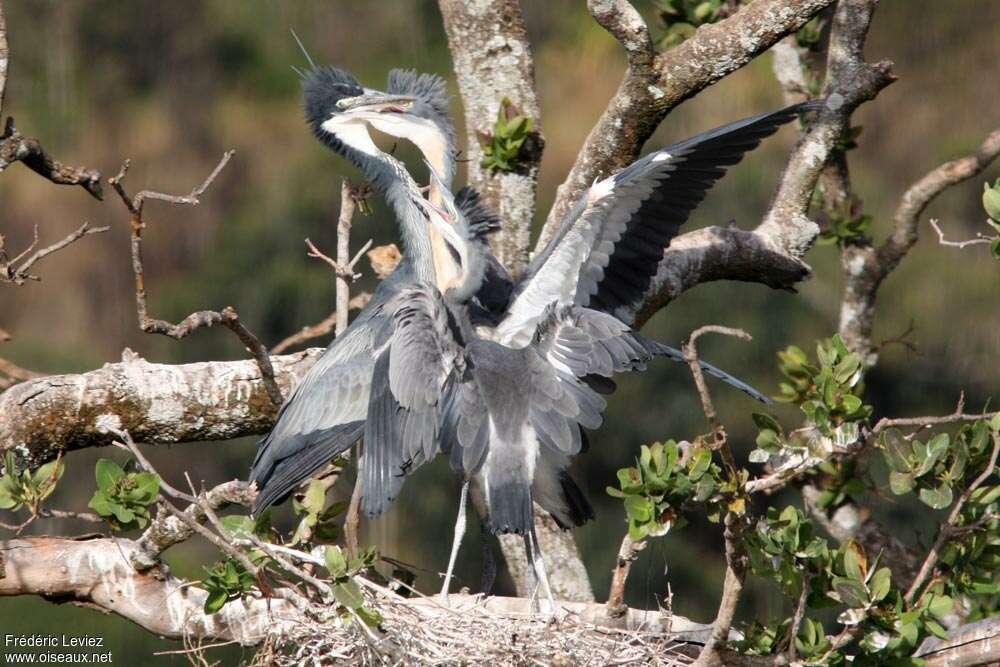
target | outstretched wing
[
  {"x": 607, "y": 250},
  {"x": 408, "y": 389},
  {"x": 324, "y": 414}
]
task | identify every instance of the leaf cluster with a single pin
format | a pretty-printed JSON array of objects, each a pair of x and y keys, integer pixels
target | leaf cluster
[
  {"x": 345, "y": 589},
  {"x": 655, "y": 489},
  {"x": 991, "y": 204},
  {"x": 828, "y": 391},
  {"x": 317, "y": 523},
  {"x": 503, "y": 148},
  {"x": 26, "y": 488},
  {"x": 123, "y": 498},
  {"x": 226, "y": 581}
]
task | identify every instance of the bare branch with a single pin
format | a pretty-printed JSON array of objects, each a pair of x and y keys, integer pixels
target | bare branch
[
  {"x": 321, "y": 328},
  {"x": 15, "y": 147},
  {"x": 980, "y": 237},
  {"x": 652, "y": 88},
  {"x": 204, "y": 318},
  {"x": 157, "y": 403},
  {"x": 869, "y": 266},
  {"x": 736, "y": 565},
  {"x": 972, "y": 644},
  {"x": 18, "y": 275},
  {"x": 627, "y": 553},
  {"x": 98, "y": 572}
]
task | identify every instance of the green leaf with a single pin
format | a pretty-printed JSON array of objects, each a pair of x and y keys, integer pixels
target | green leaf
[
  {"x": 901, "y": 482},
  {"x": 765, "y": 421},
  {"x": 847, "y": 367},
  {"x": 937, "y": 446},
  {"x": 701, "y": 459},
  {"x": 768, "y": 441},
  {"x": 941, "y": 606},
  {"x": 336, "y": 561},
  {"x": 52, "y": 470},
  {"x": 147, "y": 486},
  {"x": 238, "y": 526},
  {"x": 995, "y": 422},
  {"x": 855, "y": 563},
  {"x": 122, "y": 513},
  {"x": 370, "y": 617},
  {"x": 991, "y": 200},
  {"x": 216, "y": 600},
  {"x": 880, "y": 584},
  {"x": 852, "y": 593},
  {"x": 100, "y": 504},
  {"x": 107, "y": 472},
  {"x": 995, "y": 248},
  {"x": 938, "y": 498},
  {"x": 639, "y": 508},
  {"x": 348, "y": 593},
  {"x": 936, "y": 629}
]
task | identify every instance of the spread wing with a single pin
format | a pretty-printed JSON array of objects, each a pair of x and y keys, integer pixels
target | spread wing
[
  {"x": 410, "y": 376},
  {"x": 324, "y": 414},
  {"x": 607, "y": 250}
]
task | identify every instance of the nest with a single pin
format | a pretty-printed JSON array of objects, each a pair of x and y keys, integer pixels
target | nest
[{"x": 430, "y": 633}]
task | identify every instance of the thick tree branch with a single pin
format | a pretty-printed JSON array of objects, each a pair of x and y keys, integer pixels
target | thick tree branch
[
  {"x": 972, "y": 644},
  {"x": 157, "y": 403},
  {"x": 98, "y": 573},
  {"x": 493, "y": 60},
  {"x": 653, "y": 86}
]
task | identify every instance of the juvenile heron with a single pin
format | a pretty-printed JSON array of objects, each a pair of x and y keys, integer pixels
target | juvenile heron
[
  {"x": 325, "y": 413},
  {"x": 510, "y": 416}
]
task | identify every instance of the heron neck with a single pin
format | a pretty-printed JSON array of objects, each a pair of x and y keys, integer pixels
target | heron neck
[
  {"x": 447, "y": 271},
  {"x": 390, "y": 177}
]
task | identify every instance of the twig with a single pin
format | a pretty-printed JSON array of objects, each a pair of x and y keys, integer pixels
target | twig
[
  {"x": 959, "y": 415},
  {"x": 980, "y": 237},
  {"x": 19, "y": 275},
  {"x": 735, "y": 555},
  {"x": 321, "y": 328},
  {"x": 205, "y": 318},
  {"x": 627, "y": 553},
  {"x": 691, "y": 357},
  {"x": 800, "y": 613},
  {"x": 947, "y": 529}
]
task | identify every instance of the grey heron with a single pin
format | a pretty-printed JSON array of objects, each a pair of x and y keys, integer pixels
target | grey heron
[
  {"x": 510, "y": 415},
  {"x": 325, "y": 413}
]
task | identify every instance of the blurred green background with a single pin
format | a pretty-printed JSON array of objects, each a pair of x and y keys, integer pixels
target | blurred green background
[{"x": 174, "y": 84}]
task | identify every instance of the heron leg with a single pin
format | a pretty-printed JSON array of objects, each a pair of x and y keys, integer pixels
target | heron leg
[
  {"x": 532, "y": 574},
  {"x": 489, "y": 563},
  {"x": 538, "y": 564},
  {"x": 459, "y": 533}
]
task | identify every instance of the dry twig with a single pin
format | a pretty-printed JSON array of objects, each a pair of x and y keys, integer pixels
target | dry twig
[
  {"x": 205, "y": 318},
  {"x": 18, "y": 275}
]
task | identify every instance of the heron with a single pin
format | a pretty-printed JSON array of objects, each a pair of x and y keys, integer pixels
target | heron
[
  {"x": 511, "y": 417},
  {"x": 324, "y": 415},
  {"x": 583, "y": 247}
]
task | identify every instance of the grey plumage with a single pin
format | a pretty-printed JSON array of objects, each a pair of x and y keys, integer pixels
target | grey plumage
[{"x": 326, "y": 412}]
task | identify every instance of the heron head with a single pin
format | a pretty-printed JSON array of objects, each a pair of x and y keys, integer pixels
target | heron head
[
  {"x": 414, "y": 107},
  {"x": 323, "y": 89}
]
